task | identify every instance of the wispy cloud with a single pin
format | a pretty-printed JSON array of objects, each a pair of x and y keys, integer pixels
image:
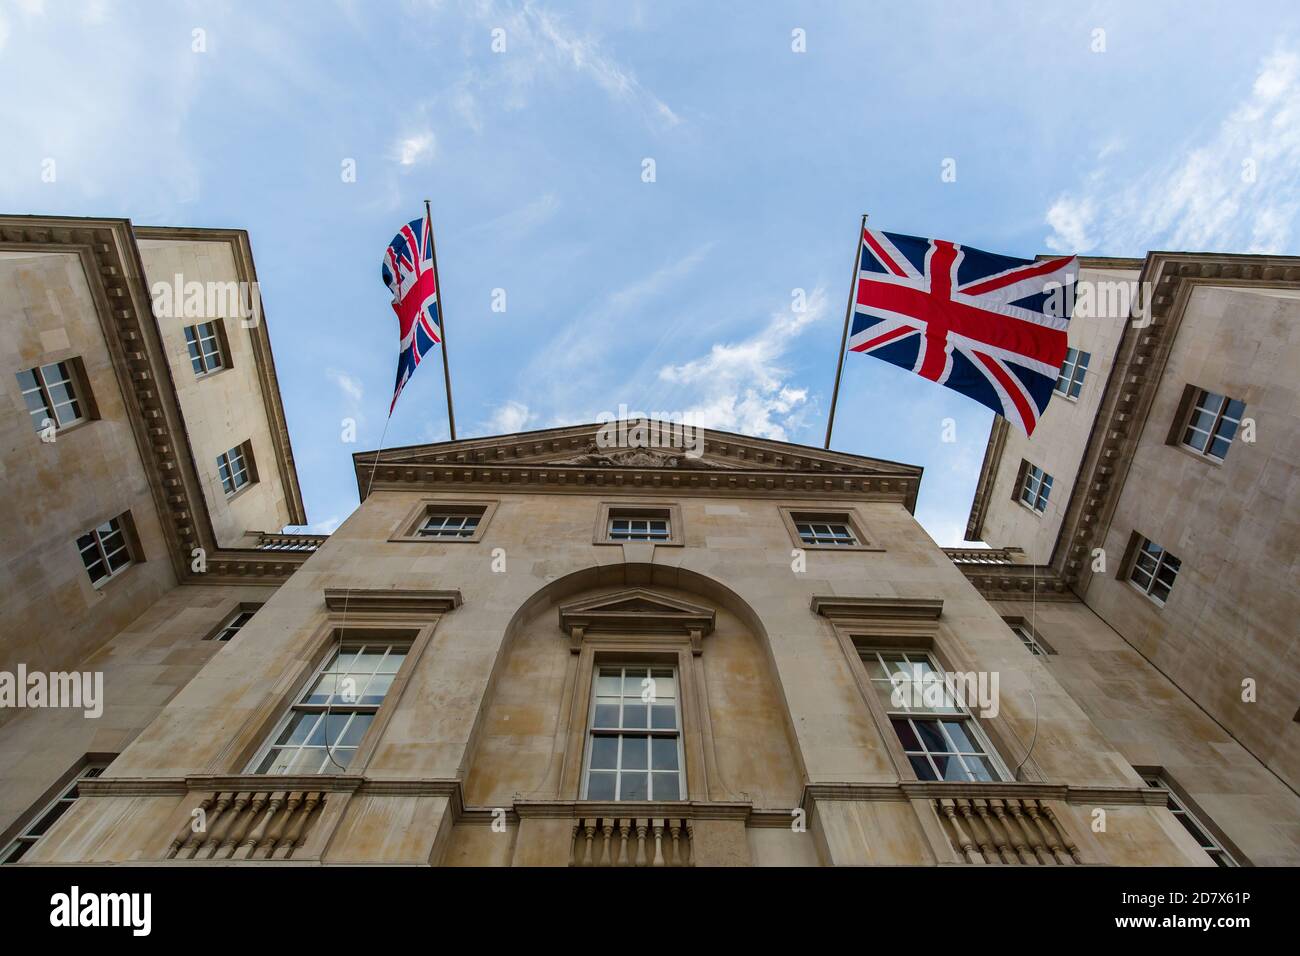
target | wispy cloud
[
  {"x": 414, "y": 149},
  {"x": 509, "y": 418},
  {"x": 743, "y": 386},
  {"x": 1239, "y": 191}
]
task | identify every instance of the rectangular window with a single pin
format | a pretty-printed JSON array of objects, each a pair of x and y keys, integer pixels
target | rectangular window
[
  {"x": 941, "y": 739},
  {"x": 204, "y": 344},
  {"x": 234, "y": 469},
  {"x": 1212, "y": 424},
  {"x": 234, "y": 624},
  {"x": 351, "y": 685},
  {"x": 51, "y": 393},
  {"x": 634, "y": 739},
  {"x": 1070, "y": 380},
  {"x": 450, "y": 524},
  {"x": 41, "y": 822},
  {"x": 639, "y": 529},
  {"x": 1154, "y": 570},
  {"x": 1035, "y": 486},
  {"x": 1027, "y": 638},
  {"x": 106, "y": 550},
  {"x": 825, "y": 532},
  {"x": 1191, "y": 823}
]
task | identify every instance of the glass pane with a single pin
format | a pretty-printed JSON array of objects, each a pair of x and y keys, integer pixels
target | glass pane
[
  {"x": 324, "y": 689},
  {"x": 962, "y": 741},
  {"x": 931, "y": 738},
  {"x": 634, "y": 786},
  {"x": 906, "y": 736},
  {"x": 356, "y": 729},
  {"x": 632, "y": 683},
  {"x": 1219, "y": 447},
  {"x": 604, "y": 753},
  {"x": 376, "y": 689},
  {"x": 667, "y": 786},
  {"x": 606, "y": 715},
  {"x": 664, "y": 717},
  {"x": 663, "y": 752},
  {"x": 600, "y": 786},
  {"x": 635, "y": 753},
  {"x": 921, "y": 767},
  {"x": 634, "y": 715},
  {"x": 608, "y": 683},
  {"x": 299, "y": 727},
  {"x": 665, "y": 686},
  {"x": 277, "y": 761},
  {"x": 47, "y": 821}
]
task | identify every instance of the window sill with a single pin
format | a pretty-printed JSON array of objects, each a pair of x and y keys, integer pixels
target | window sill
[
  {"x": 1146, "y": 594},
  {"x": 1198, "y": 455}
]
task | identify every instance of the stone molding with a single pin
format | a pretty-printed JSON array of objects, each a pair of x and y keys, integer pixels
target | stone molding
[
  {"x": 839, "y": 608},
  {"x": 392, "y": 601}
]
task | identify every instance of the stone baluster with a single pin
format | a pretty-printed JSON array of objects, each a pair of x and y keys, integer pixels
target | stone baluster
[
  {"x": 1070, "y": 847},
  {"x": 255, "y": 836},
  {"x": 967, "y": 845},
  {"x": 641, "y": 855},
  {"x": 1014, "y": 833},
  {"x": 267, "y": 847},
  {"x": 217, "y": 834},
  {"x": 1034, "y": 835},
  {"x": 187, "y": 834},
  {"x": 624, "y": 830},
  {"x": 294, "y": 838},
  {"x": 675, "y": 830},
  {"x": 658, "y": 824},
  {"x": 243, "y": 823},
  {"x": 219, "y": 804},
  {"x": 1049, "y": 834}
]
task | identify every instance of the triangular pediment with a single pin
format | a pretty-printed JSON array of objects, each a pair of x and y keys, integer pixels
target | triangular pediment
[{"x": 636, "y": 611}]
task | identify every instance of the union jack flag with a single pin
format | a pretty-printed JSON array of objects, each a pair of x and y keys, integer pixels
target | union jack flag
[
  {"x": 409, "y": 274},
  {"x": 991, "y": 327}
]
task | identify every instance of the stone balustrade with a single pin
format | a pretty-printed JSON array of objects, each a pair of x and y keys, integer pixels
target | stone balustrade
[
  {"x": 1013, "y": 830},
  {"x": 631, "y": 841},
  {"x": 248, "y": 825}
]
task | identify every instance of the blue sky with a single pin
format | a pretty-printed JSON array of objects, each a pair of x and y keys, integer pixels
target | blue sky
[{"x": 670, "y": 295}]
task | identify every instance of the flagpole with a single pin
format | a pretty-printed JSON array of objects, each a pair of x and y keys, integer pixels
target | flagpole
[
  {"x": 442, "y": 322},
  {"x": 844, "y": 337}
]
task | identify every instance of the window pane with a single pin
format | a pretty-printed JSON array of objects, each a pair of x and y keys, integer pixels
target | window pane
[
  {"x": 606, "y": 715},
  {"x": 663, "y": 751},
  {"x": 600, "y": 786},
  {"x": 300, "y": 725},
  {"x": 667, "y": 786},
  {"x": 906, "y": 736},
  {"x": 921, "y": 767},
  {"x": 664, "y": 717},
  {"x": 604, "y": 753},
  {"x": 635, "y": 753},
  {"x": 634, "y": 786}
]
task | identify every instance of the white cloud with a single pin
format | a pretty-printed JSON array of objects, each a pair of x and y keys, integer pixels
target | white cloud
[
  {"x": 349, "y": 385},
  {"x": 742, "y": 386},
  {"x": 417, "y": 148},
  {"x": 1237, "y": 191},
  {"x": 509, "y": 418}
]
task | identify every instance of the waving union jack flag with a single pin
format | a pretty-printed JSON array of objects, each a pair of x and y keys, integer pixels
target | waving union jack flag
[
  {"x": 988, "y": 326},
  {"x": 409, "y": 273}
]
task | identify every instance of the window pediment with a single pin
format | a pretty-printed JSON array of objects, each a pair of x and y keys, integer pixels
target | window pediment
[{"x": 636, "y": 612}]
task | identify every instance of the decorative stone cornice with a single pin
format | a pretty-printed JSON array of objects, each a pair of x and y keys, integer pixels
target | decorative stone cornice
[
  {"x": 988, "y": 472},
  {"x": 940, "y": 789},
  {"x": 544, "y": 461},
  {"x": 388, "y": 601},
  {"x": 1017, "y": 582},
  {"x": 838, "y": 608}
]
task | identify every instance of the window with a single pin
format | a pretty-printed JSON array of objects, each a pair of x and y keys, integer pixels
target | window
[
  {"x": 351, "y": 685},
  {"x": 41, "y": 822},
  {"x": 233, "y": 467},
  {"x": 52, "y": 392},
  {"x": 204, "y": 343},
  {"x": 618, "y": 523},
  {"x": 639, "y": 529},
  {"x": 634, "y": 740},
  {"x": 1035, "y": 486},
  {"x": 1191, "y": 822},
  {"x": 106, "y": 550},
  {"x": 1027, "y": 638},
  {"x": 449, "y": 524},
  {"x": 233, "y": 625},
  {"x": 1212, "y": 424},
  {"x": 1070, "y": 380},
  {"x": 939, "y": 736},
  {"x": 1154, "y": 570},
  {"x": 825, "y": 532}
]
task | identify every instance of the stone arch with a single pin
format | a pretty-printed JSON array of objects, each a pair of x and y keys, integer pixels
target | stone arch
[{"x": 526, "y": 686}]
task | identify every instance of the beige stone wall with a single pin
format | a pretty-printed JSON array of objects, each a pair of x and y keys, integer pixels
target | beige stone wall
[
  {"x": 787, "y": 708},
  {"x": 222, "y": 409},
  {"x": 143, "y": 667},
  {"x": 1152, "y": 723},
  {"x": 56, "y": 491},
  {"x": 1235, "y": 526},
  {"x": 1058, "y": 442}
]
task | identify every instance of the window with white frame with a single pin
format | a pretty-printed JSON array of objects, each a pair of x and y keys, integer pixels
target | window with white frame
[
  {"x": 234, "y": 624},
  {"x": 940, "y": 737},
  {"x": 51, "y": 393},
  {"x": 637, "y": 528},
  {"x": 233, "y": 468},
  {"x": 450, "y": 524},
  {"x": 1035, "y": 486},
  {"x": 825, "y": 532},
  {"x": 40, "y": 822},
  {"x": 324, "y": 726},
  {"x": 1027, "y": 638},
  {"x": 1212, "y": 424},
  {"x": 1191, "y": 822},
  {"x": 204, "y": 344},
  {"x": 1069, "y": 382},
  {"x": 105, "y": 550},
  {"x": 1154, "y": 570},
  {"x": 634, "y": 737}
]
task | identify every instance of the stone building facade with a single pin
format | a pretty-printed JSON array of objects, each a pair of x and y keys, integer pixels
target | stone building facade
[{"x": 549, "y": 649}]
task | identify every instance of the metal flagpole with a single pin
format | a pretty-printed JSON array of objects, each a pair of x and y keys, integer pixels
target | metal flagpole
[
  {"x": 442, "y": 322},
  {"x": 844, "y": 337}
]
